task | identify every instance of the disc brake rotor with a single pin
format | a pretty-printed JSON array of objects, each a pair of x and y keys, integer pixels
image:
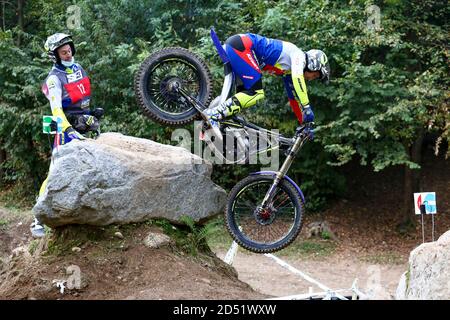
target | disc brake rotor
[{"x": 265, "y": 216}]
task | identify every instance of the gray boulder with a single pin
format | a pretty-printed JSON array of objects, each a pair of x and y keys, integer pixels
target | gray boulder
[
  {"x": 428, "y": 277},
  {"x": 122, "y": 179}
]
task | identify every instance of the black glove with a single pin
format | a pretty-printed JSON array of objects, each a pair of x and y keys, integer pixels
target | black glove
[
  {"x": 98, "y": 113},
  {"x": 53, "y": 126}
]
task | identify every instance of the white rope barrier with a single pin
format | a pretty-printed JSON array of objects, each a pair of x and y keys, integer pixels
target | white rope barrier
[
  {"x": 327, "y": 293},
  {"x": 303, "y": 275},
  {"x": 229, "y": 257}
]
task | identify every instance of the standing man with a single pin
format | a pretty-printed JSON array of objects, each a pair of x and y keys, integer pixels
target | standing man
[{"x": 68, "y": 89}]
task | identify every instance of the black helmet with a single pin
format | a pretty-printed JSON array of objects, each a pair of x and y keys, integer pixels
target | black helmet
[
  {"x": 54, "y": 42},
  {"x": 317, "y": 61}
]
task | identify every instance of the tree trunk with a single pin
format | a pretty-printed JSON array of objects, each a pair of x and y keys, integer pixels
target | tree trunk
[
  {"x": 2, "y": 171},
  {"x": 20, "y": 19},
  {"x": 3, "y": 16},
  {"x": 411, "y": 182}
]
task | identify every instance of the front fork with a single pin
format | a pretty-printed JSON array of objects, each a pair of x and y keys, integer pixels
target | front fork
[{"x": 292, "y": 152}]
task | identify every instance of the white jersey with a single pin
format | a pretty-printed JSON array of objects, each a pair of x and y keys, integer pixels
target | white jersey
[{"x": 292, "y": 60}]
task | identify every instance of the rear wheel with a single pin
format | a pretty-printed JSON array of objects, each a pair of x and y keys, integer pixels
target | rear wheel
[{"x": 157, "y": 77}]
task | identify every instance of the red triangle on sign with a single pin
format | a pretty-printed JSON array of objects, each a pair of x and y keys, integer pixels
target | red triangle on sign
[{"x": 419, "y": 201}]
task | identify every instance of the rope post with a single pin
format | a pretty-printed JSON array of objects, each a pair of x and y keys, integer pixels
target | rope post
[
  {"x": 432, "y": 230},
  {"x": 231, "y": 253},
  {"x": 422, "y": 212}
]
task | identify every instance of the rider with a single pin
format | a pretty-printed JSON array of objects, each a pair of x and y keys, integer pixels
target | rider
[
  {"x": 68, "y": 89},
  {"x": 249, "y": 54}
]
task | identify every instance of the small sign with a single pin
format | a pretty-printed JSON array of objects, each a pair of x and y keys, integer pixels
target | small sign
[
  {"x": 425, "y": 203},
  {"x": 52, "y": 124}
]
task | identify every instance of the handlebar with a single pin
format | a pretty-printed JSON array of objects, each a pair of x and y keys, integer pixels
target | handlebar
[{"x": 306, "y": 129}]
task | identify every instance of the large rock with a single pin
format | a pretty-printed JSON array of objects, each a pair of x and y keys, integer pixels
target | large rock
[
  {"x": 428, "y": 277},
  {"x": 121, "y": 179}
]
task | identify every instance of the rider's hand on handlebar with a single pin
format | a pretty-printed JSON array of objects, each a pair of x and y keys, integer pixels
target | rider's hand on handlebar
[
  {"x": 306, "y": 128},
  {"x": 310, "y": 132},
  {"x": 308, "y": 114}
]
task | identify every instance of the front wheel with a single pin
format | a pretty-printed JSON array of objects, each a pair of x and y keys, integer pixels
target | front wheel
[{"x": 264, "y": 230}]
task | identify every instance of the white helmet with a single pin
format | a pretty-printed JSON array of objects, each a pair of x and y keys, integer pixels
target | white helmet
[
  {"x": 317, "y": 61},
  {"x": 54, "y": 42}
]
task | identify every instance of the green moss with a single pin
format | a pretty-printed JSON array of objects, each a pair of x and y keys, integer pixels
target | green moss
[
  {"x": 63, "y": 239},
  {"x": 325, "y": 235},
  {"x": 309, "y": 248},
  {"x": 3, "y": 224},
  {"x": 220, "y": 237},
  {"x": 383, "y": 258},
  {"x": 33, "y": 246},
  {"x": 189, "y": 237}
]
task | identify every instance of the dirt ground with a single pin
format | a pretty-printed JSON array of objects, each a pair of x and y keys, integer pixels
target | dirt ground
[
  {"x": 111, "y": 267},
  {"x": 368, "y": 247},
  {"x": 336, "y": 272}
]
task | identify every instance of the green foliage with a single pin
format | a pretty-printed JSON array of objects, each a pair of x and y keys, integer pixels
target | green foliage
[
  {"x": 190, "y": 237},
  {"x": 195, "y": 240},
  {"x": 33, "y": 246},
  {"x": 58, "y": 247},
  {"x": 325, "y": 235},
  {"x": 61, "y": 240},
  {"x": 310, "y": 249},
  {"x": 219, "y": 238},
  {"x": 3, "y": 224},
  {"x": 389, "y": 258}
]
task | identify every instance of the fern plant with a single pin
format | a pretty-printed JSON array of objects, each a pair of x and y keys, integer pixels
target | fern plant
[{"x": 197, "y": 235}]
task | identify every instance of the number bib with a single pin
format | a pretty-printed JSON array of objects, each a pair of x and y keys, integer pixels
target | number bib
[
  {"x": 75, "y": 86},
  {"x": 78, "y": 90}
]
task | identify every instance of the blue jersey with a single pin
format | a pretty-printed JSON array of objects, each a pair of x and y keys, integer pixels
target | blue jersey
[
  {"x": 266, "y": 50},
  {"x": 250, "y": 53}
]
